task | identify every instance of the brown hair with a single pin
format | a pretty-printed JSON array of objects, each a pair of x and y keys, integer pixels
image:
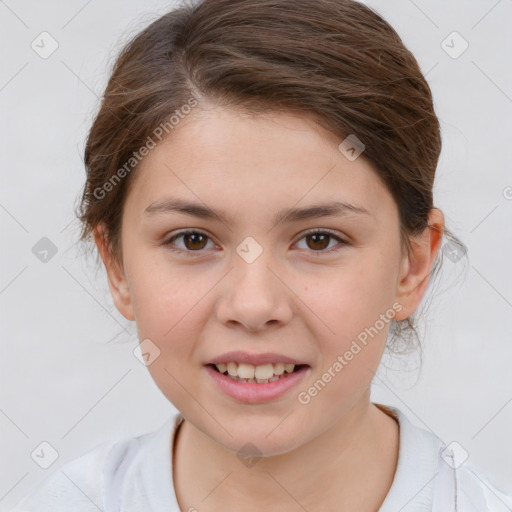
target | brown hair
[{"x": 337, "y": 60}]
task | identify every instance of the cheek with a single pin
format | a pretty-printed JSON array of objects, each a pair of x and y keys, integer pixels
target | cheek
[
  {"x": 162, "y": 293},
  {"x": 169, "y": 307},
  {"x": 350, "y": 298},
  {"x": 170, "y": 311},
  {"x": 351, "y": 337},
  {"x": 352, "y": 313}
]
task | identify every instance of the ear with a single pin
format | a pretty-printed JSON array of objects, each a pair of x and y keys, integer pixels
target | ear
[
  {"x": 417, "y": 265},
  {"x": 116, "y": 278}
]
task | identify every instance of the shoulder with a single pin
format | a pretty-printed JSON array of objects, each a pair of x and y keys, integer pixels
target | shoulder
[
  {"x": 434, "y": 476},
  {"x": 465, "y": 486},
  {"x": 78, "y": 482},
  {"x": 475, "y": 492},
  {"x": 131, "y": 473}
]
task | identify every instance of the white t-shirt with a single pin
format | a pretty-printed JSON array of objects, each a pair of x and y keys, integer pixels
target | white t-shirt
[{"x": 135, "y": 475}]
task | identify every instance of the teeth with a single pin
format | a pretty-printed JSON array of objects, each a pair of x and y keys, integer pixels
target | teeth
[
  {"x": 232, "y": 369},
  {"x": 279, "y": 369},
  {"x": 262, "y": 373},
  {"x": 246, "y": 371}
]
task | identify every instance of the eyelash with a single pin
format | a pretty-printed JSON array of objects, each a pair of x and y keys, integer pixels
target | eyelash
[{"x": 318, "y": 253}]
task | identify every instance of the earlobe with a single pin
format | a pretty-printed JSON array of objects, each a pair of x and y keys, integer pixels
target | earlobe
[
  {"x": 417, "y": 265},
  {"x": 116, "y": 278}
]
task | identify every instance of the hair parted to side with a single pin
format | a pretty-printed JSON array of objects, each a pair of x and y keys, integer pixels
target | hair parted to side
[{"x": 336, "y": 60}]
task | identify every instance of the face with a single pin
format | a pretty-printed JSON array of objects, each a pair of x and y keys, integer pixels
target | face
[{"x": 246, "y": 279}]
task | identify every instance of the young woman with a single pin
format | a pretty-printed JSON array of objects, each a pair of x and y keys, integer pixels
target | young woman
[{"x": 259, "y": 187}]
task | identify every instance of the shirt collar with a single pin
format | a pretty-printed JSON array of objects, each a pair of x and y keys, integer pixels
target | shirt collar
[
  {"x": 412, "y": 489},
  {"x": 150, "y": 481}
]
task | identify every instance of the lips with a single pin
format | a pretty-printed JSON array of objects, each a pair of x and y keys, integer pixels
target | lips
[
  {"x": 257, "y": 392},
  {"x": 240, "y": 356},
  {"x": 286, "y": 371}
]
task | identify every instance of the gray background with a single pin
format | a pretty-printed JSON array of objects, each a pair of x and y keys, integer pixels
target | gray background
[{"x": 61, "y": 382}]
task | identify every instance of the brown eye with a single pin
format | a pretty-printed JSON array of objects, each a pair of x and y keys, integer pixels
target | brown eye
[
  {"x": 318, "y": 242},
  {"x": 192, "y": 241}
]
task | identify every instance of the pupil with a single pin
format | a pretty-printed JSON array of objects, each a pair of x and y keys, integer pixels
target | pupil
[
  {"x": 194, "y": 237},
  {"x": 324, "y": 239}
]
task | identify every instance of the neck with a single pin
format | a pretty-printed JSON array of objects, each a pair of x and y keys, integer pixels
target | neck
[{"x": 351, "y": 466}]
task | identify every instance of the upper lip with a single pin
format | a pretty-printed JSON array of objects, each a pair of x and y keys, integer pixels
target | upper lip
[{"x": 239, "y": 356}]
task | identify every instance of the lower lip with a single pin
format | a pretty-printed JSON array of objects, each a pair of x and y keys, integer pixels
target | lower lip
[{"x": 257, "y": 393}]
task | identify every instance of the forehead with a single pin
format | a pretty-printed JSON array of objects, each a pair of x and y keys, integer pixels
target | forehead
[
  {"x": 240, "y": 140},
  {"x": 226, "y": 157}
]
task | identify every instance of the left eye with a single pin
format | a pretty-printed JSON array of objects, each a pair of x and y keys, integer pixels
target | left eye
[
  {"x": 194, "y": 241},
  {"x": 321, "y": 239}
]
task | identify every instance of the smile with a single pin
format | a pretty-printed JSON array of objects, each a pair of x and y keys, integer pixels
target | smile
[
  {"x": 279, "y": 379},
  {"x": 261, "y": 374}
]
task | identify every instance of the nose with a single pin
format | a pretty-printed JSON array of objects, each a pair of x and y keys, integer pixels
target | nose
[{"x": 255, "y": 295}]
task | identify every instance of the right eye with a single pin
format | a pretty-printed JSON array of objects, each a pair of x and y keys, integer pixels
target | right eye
[{"x": 193, "y": 241}]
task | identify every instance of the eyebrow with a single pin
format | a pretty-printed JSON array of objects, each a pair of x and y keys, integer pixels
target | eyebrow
[{"x": 333, "y": 208}]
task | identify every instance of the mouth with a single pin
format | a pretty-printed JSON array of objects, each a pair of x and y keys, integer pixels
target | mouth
[
  {"x": 262, "y": 374},
  {"x": 255, "y": 390}
]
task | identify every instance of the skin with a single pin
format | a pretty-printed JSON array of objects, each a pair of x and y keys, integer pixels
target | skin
[{"x": 297, "y": 298}]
